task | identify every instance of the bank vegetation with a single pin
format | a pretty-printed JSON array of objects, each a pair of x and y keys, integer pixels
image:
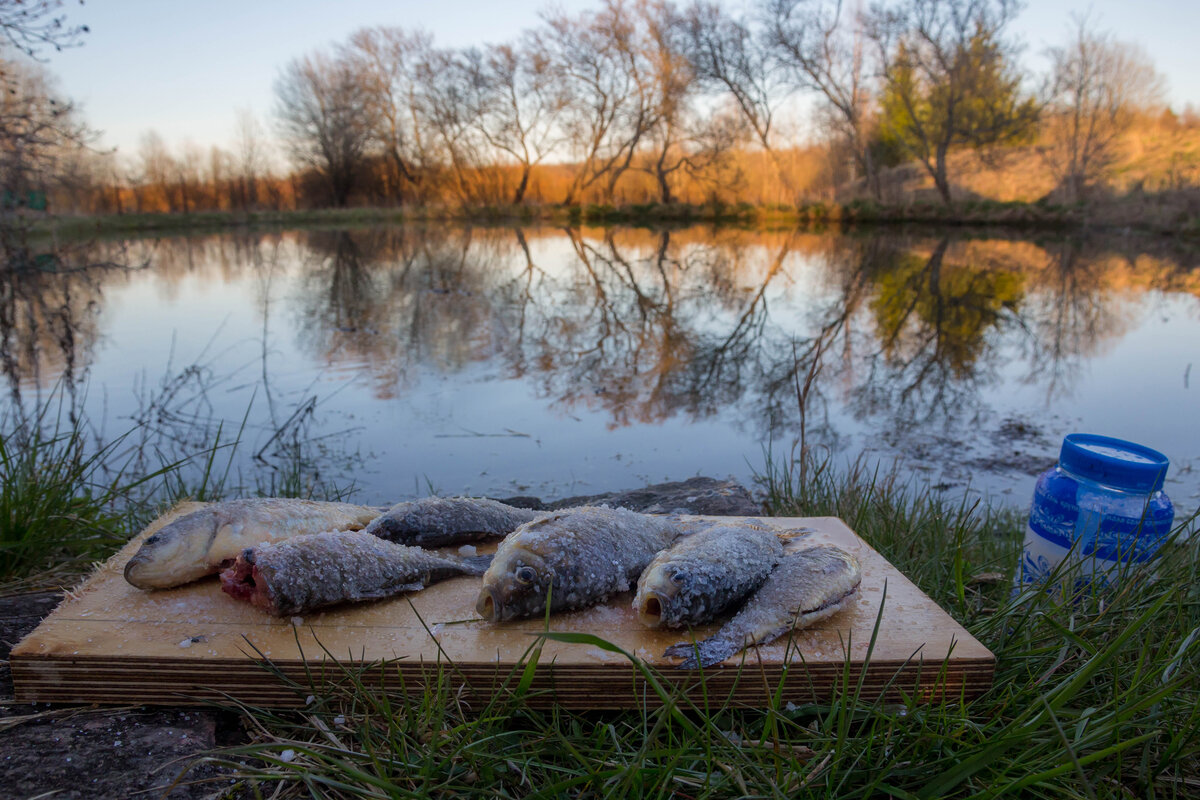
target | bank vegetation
[{"x": 785, "y": 104}]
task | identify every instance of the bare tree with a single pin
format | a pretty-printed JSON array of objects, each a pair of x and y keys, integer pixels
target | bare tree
[
  {"x": 680, "y": 138},
  {"x": 388, "y": 60},
  {"x": 188, "y": 167},
  {"x": 598, "y": 58},
  {"x": 37, "y": 130},
  {"x": 728, "y": 54},
  {"x": 219, "y": 179},
  {"x": 154, "y": 169},
  {"x": 250, "y": 155},
  {"x": 517, "y": 106},
  {"x": 822, "y": 47},
  {"x": 324, "y": 120},
  {"x": 28, "y": 26},
  {"x": 1097, "y": 87},
  {"x": 444, "y": 102},
  {"x": 949, "y": 78}
]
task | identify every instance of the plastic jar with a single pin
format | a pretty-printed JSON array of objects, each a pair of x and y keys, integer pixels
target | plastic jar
[{"x": 1102, "y": 505}]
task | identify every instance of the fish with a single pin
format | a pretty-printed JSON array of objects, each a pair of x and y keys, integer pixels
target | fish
[
  {"x": 705, "y": 573},
  {"x": 299, "y": 575},
  {"x": 570, "y": 559},
  {"x": 202, "y": 542},
  {"x": 806, "y": 586},
  {"x": 445, "y": 521}
]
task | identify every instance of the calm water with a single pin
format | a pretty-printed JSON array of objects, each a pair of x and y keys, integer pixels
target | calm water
[{"x": 541, "y": 361}]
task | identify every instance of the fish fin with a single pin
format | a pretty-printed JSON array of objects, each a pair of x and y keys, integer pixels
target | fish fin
[
  {"x": 795, "y": 539},
  {"x": 433, "y": 539},
  {"x": 386, "y": 592}
]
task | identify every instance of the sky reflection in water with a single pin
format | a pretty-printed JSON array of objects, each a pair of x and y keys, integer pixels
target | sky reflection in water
[{"x": 541, "y": 361}]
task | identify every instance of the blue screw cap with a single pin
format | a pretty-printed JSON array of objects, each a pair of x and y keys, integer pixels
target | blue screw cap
[{"x": 1114, "y": 462}]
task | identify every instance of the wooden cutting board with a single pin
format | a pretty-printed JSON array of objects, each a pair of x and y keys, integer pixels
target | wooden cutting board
[{"x": 109, "y": 642}]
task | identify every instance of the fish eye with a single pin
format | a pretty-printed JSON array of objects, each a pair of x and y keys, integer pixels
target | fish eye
[
  {"x": 526, "y": 575},
  {"x": 678, "y": 577}
]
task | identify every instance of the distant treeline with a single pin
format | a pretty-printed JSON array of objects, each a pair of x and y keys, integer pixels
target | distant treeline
[{"x": 643, "y": 101}]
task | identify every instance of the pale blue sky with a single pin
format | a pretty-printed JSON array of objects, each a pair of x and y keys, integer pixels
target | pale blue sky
[{"x": 184, "y": 68}]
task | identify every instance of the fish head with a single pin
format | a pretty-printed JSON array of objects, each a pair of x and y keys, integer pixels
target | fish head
[
  {"x": 517, "y": 584},
  {"x": 175, "y": 554},
  {"x": 658, "y": 592}
]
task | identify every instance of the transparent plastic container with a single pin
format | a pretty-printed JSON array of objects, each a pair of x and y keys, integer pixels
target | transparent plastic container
[{"x": 1102, "y": 506}]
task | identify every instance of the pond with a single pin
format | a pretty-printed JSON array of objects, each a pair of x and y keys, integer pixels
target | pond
[{"x": 495, "y": 360}]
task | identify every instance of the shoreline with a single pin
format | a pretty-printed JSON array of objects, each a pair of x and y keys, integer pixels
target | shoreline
[{"x": 1011, "y": 216}]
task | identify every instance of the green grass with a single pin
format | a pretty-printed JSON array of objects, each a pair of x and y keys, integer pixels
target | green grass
[
  {"x": 1094, "y": 696},
  {"x": 68, "y": 498},
  {"x": 57, "y": 508}
]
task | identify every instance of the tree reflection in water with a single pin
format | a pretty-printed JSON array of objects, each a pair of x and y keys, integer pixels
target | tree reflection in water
[{"x": 886, "y": 336}]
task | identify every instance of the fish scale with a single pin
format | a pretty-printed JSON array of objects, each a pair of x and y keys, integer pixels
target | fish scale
[
  {"x": 573, "y": 558},
  {"x": 806, "y": 586},
  {"x": 705, "y": 573},
  {"x": 439, "y": 522},
  {"x": 323, "y": 569},
  {"x": 199, "y": 543}
]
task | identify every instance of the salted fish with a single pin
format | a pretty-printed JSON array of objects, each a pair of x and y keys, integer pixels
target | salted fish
[
  {"x": 576, "y": 557},
  {"x": 806, "y": 586},
  {"x": 202, "y": 542},
  {"x": 443, "y": 521},
  {"x": 299, "y": 575},
  {"x": 706, "y": 573}
]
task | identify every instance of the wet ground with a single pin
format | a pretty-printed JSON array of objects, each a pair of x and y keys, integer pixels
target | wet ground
[{"x": 90, "y": 751}]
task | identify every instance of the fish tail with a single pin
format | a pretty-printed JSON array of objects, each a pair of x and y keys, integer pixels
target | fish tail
[
  {"x": 476, "y": 565},
  {"x": 701, "y": 654},
  {"x": 681, "y": 650}
]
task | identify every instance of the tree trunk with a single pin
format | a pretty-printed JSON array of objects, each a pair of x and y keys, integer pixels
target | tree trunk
[
  {"x": 871, "y": 173},
  {"x": 939, "y": 175},
  {"x": 664, "y": 186},
  {"x": 576, "y": 185},
  {"x": 519, "y": 195},
  {"x": 403, "y": 173}
]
